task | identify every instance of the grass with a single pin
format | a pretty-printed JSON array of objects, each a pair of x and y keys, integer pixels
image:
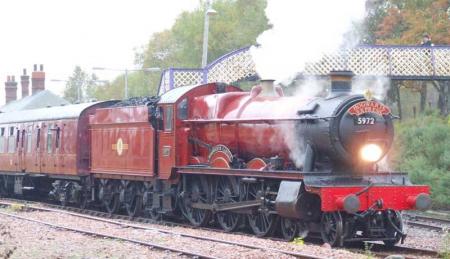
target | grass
[{"x": 445, "y": 252}]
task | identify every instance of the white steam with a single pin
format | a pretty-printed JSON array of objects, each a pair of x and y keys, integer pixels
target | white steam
[
  {"x": 302, "y": 31},
  {"x": 379, "y": 86}
]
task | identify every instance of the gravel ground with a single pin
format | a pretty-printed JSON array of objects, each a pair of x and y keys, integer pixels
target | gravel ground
[
  {"x": 205, "y": 247},
  {"x": 428, "y": 239},
  {"x": 81, "y": 246},
  {"x": 23, "y": 239}
]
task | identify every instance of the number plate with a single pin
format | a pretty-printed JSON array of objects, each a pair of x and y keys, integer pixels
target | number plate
[{"x": 364, "y": 121}]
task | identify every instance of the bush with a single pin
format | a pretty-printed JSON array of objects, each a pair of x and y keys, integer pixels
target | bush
[{"x": 422, "y": 148}]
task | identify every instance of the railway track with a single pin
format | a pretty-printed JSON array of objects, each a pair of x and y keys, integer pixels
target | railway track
[
  {"x": 407, "y": 252},
  {"x": 100, "y": 216},
  {"x": 431, "y": 223},
  {"x": 375, "y": 248},
  {"x": 102, "y": 235}
]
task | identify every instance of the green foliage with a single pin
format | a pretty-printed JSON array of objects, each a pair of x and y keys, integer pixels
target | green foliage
[
  {"x": 445, "y": 252},
  {"x": 137, "y": 86},
  {"x": 84, "y": 81},
  {"x": 368, "y": 250},
  {"x": 237, "y": 24},
  {"x": 422, "y": 148}
]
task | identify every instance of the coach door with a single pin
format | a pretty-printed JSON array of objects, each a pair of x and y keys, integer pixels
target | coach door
[
  {"x": 166, "y": 143},
  {"x": 37, "y": 147},
  {"x": 21, "y": 148},
  {"x": 28, "y": 150}
]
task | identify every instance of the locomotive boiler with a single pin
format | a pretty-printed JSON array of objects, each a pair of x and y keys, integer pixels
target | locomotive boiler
[{"x": 282, "y": 165}]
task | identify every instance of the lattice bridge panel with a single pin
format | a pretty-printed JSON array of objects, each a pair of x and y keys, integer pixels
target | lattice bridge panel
[{"x": 396, "y": 62}]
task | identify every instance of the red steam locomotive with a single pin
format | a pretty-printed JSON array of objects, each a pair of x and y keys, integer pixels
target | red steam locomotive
[{"x": 213, "y": 152}]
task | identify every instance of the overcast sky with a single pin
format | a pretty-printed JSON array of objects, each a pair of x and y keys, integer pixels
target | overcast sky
[{"x": 65, "y": 33}]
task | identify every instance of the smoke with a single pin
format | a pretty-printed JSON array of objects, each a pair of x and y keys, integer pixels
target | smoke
[
  {"x": 301, "y": 32},
  {"x": 286, "y": 135},
  {"x": 379, "y": 86}
]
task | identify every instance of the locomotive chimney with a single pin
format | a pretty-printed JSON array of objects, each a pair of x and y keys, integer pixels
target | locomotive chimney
[
  {"x": 10, "y": 89},
  {"x": 37, "y": 79},
  {"x": 341, "y": 81},
  {"x": 267, "y": 87},
  {"x": 25, "y": 82}
]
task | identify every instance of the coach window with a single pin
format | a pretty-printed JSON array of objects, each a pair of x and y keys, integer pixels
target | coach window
[
  {"x": 58, "y": 132},
  {"x": 30, "y": 129},
  {"x": 49, "y": 139},
  {"x": 182, "y": 109},
  {"x": 17, "y": 138},
  {"x": 168, "y": 118},
  {"x": 11, "y": 141},
  {"x": 22, "y": 140},
  {"x": 2, "y": 140},
  {"x": 38, "y": 138}
]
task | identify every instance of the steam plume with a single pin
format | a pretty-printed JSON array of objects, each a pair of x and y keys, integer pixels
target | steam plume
[{"x": 302, "y": 31}]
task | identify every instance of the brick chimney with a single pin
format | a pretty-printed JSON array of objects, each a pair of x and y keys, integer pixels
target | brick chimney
[
  {"x": 37, "y": 79},
  {"x": 25, "y": 82},
  {"x": 10, "y": 89}
]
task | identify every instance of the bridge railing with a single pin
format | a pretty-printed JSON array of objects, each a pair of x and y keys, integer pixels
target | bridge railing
[
  {"x": 231, "y": 67},
  {"x": 396, "y": 62}
]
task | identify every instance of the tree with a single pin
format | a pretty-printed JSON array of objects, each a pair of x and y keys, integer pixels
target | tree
[
  {"x": 406, "y": 21},
  {"x": 235, "y": 26},
  {"x": 376, "y": 10},
  {"x": 443, "y": 88},
  {"x": 84, "y": 81}
]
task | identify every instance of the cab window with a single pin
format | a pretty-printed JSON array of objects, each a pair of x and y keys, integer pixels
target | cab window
[
  {"x": 182, "y": 109},
  {"x": 168, "y": 118}
]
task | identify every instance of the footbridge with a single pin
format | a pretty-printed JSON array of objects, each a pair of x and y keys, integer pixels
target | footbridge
[{"x": 396, "y": 62}]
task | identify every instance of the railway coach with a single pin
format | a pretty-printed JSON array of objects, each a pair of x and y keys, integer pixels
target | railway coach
[{"x": 44, "y": 147}]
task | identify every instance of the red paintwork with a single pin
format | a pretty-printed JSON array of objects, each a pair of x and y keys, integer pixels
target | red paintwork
[
  {"x": 394, "y": 197},
  {"x": 249, "y": 125},
  {"x": 135, "y": 154},
  {"x": 174, "y": 146},
  {"x": 69, "y": 158},
  {"x": 31, "y": 158}
]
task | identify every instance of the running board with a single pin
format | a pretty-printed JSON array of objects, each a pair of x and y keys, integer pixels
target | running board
[{"x": 227, "y": 206}]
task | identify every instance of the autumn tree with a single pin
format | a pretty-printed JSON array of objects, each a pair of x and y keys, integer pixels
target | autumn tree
[{"x": 404, "y": 22}]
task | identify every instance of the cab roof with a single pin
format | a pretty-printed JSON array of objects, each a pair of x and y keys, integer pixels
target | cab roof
[{"x": 175, "y": 94}]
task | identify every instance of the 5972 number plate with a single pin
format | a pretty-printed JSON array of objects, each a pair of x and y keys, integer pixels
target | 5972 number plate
[{"x": 364, "y": 121}]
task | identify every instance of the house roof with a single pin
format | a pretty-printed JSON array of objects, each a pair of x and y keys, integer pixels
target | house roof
[{"x": 41, "y": 99}]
